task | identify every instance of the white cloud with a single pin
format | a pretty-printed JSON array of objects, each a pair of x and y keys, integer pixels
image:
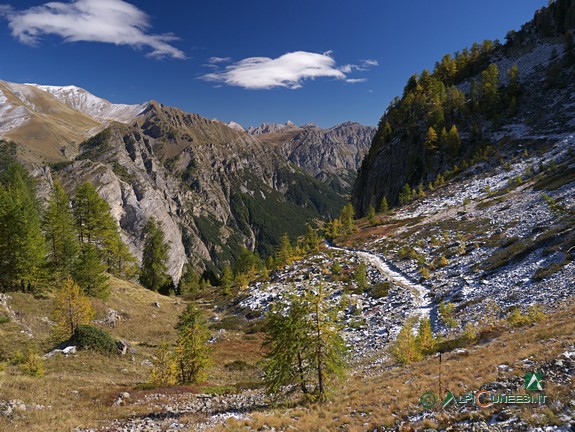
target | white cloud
[
  {"x": 288, "y": 70},
  {"x": 214, "y": 60},
  {"x": 369, "y": 62},
  {"x": 355, "y": 80},
  {"x": 108, "y": 21}
]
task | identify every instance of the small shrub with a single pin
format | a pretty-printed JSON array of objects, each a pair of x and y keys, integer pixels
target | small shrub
[
  {"x": 29, "y": 362},
  {"x": 380, "y": 290},
  {"x": 4, "y": 319},
  {"x": 470, "y": 333},
  {"x": 446, "y": 312},
  {"x": 92, "y": 338},
  {"x": 517, "y": 319}
]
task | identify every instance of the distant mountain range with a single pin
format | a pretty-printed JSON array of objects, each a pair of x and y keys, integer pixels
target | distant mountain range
[{"x": 215, "y": 188}]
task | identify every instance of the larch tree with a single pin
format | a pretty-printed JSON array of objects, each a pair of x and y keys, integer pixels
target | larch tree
[
  {"x": 305, "y": 348},
  {"x": 192, "y": 351},
  {"x": 72, "y": 308},
  {"x": 60, "y": 231},
  {"x": 22, "y": 247},
  {"x": 154, "y": 271}
]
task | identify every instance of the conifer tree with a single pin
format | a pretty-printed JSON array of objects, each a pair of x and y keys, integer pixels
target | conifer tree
[
  {"x": 164, "y": 371},
  {"x": 284, "y": 253},
  {"x": 189, "y": 282},
  {"x": 405, "y": 349},
  {"x": 326, "y": 345},
  {"x": 89, "y": 272},
  {"x": 192, "y": 352},
  {"x": 384, "y": 206},
  {"x": 360, "y": 276},
  {"x": 227, "y": 280},
  {"x": 60, "y": 231},
  {"x": 453, "y": 141},
  {"x": 305, "y": 347},
  {"x": 431, "y": 140},
  {"x": 154, "y": 271},
  {"x": 71, "y": 309},
  {"x": 425, "y": 341},
  {"x": 370, "y": 215},
  {"x": 490, "y": 89},
  {"x": 287, "y": 333},
  {"x": 92, "y": 215},
  {"x": 346, "y": 218},
  {"x": 22, "y": 247},
  {"x": 312, "y": 240}
]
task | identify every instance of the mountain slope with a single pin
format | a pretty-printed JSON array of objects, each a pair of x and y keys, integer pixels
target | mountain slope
[
  {"x": 331, "y": 155},
  {"x": 213, "y": 189},
  {"x": 478, "y": 92},
  {"x": 51, "y": 121}
]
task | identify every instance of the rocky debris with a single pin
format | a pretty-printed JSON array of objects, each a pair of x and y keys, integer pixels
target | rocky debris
[
  {"x": 16, "y": 407},
  {"x": 112, "y": 318},
  {"x": 156, "y": 304},
  {"x": 121, "y": 399},
  {"x": 371, "y": 322},
  {"x": 125, "y": 347},
  {"x": 14, "y": 315},
  {"x": 168, "y": 410}
]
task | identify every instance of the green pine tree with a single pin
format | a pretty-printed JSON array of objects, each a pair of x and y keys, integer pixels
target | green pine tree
[{"x": 346, "y": 218}]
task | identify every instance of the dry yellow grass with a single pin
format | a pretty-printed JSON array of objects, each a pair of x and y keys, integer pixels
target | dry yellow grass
[
  {"x": 81, "y": 388},
  {"x": 385, "y": 396}
]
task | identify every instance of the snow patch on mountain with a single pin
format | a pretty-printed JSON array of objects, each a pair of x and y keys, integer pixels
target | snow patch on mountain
[{"x": 100, "y": 109}]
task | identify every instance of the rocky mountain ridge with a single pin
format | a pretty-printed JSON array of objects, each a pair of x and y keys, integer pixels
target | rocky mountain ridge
[
  {"x": 539, "y": 100},
  {"x": 331, "y": 155},
  {"x": 50, "y": 121}
]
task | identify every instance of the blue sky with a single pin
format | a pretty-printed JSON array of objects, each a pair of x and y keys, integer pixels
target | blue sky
[{"x": 252, "y": 61}]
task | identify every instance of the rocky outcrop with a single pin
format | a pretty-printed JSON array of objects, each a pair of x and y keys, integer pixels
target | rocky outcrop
[{"x": 331, "y": 155}]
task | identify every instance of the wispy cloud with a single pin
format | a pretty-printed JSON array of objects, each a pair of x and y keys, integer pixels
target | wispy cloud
[
  {"x": 355, "y": 80},
  {"x": 108, "y": 21},
  {"x": 289, "y": 70},
  {"x": 214, "y": 60}
]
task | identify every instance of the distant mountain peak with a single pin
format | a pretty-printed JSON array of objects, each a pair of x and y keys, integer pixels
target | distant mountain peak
[{"x": 236, "y": 126}]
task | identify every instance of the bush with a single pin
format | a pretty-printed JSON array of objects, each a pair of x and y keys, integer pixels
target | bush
[
  {"x": 29, "y": 362},
  {"x": 380, "y": 290},
  {"x": 518, "y": 319},
  {"x": 92, "y": 338},
  {"x": 4, "y": 319}
]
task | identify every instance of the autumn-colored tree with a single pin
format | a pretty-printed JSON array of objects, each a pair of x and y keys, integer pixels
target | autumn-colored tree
[
  {"x": 71, "y": 309},
  {"x": 192, "y": 351},
  {"x": 164, "y": 371}
]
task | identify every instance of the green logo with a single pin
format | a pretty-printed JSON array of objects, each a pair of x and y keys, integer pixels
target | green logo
[
  {"x": 427, "y": 400},
  {"x": 534, "y": 381},
  {"x": 448, "y": 399}
]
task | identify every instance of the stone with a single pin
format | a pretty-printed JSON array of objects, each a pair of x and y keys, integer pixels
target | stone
[{"x": 69, "y": 350}]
